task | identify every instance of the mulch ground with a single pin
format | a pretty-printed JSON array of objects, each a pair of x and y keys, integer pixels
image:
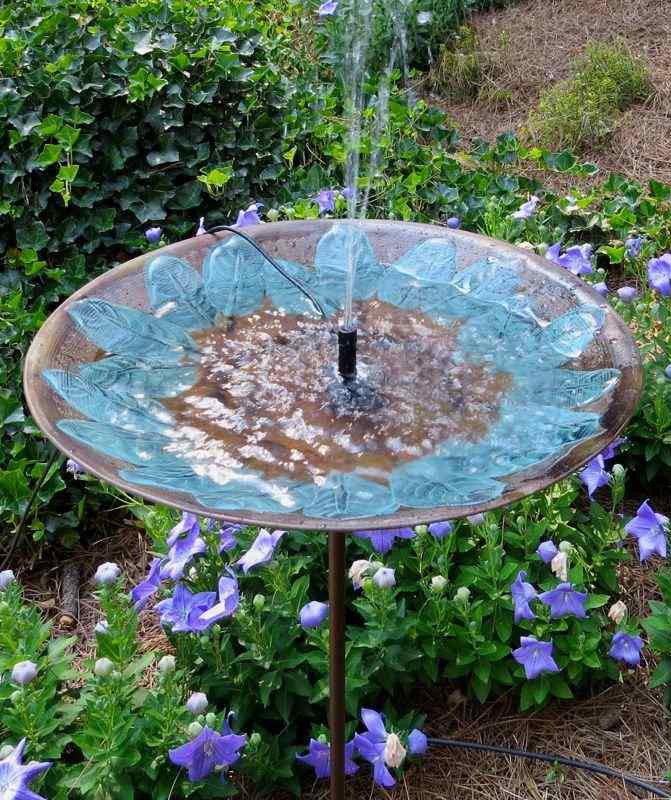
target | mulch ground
[{"x": 532, "y": 45}]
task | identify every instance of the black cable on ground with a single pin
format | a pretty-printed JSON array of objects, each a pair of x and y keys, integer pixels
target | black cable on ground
[
  {"x": 24, "y": 516},
  {"x": 590, "y": 766},
  {"x": 272, "y": 261}
]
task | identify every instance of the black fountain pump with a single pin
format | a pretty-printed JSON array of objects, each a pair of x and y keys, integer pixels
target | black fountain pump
[{"x": 347, "y": 353}]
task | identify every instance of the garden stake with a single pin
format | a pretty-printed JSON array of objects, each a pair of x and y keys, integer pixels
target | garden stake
[{"x": 337, "y": 662}]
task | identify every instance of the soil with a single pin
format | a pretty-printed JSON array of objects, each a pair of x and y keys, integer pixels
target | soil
[{"x": 532, "y": 45}]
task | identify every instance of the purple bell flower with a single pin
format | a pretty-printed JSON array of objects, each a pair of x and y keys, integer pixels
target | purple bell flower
[
  {"x": 141, "y": 593},
  {"x": 454, "y": 223},
  {"x": 610, "y": 451},
  {"x": 197, "y": 703},
  {"x": 325, "y": 199},
  {"x": 152, "y": 235},
  {"x": 313, "y": 614},
  {"x": 633, "y": 245},
  {"x": 417, "y": 743},
  {"x": 667, "y": 371},
  {"x": 227, "y": 539},
  {"x": 207, "y": 751},
  {"x": 74, "y": 467},
  {"x": 183, "y": 611},
  {"x": 522, "y": 593},
  {"x": 371, "y": 746},
  {"x": 439, "y": 530},
  {"x": 527, "y": 209},
  {"x": 535, "y": 657},
  {"x": 327, "y": 9},
  {"x": 627, "y": 294},
  {"x": 650, "y": 530},
  {"x": 229, "y": 599},
  {"x": 250, "y": 216},
  {"x": 261, "y": 551},
  {"x": 15, "y": 776},
  {"x": 383, "y": 541},
  {"x": 547, "y": 551},
  {"x": 564, "y": 601},
  {"x": 348, "y": 192},
  {"x": 595, "y": 475},
  {"x": 319, "y": 758},
  {"x": 186, "y": 543},
  {"x": 600, "y": 288},
  {"x": 659, "y": 274},
  {"x": 201, "y": 230},
  {"x": 627, "y": 648}
]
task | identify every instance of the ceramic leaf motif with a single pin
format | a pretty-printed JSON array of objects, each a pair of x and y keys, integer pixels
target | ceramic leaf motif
[{"x": 152, "y": 356}]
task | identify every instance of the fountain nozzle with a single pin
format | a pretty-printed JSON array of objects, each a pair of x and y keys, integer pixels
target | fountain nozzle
[{"x": 347, "y": 353}]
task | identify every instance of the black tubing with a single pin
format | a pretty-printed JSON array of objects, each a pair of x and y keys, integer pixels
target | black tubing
[
  {"x": 590, "y": 766},
  {"x": 272, "y": 261}
]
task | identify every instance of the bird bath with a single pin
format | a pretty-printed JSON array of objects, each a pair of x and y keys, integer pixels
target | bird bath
[{"x": 198, "y": 376}]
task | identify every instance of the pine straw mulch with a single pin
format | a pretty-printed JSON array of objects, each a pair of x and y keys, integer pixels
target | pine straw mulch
[
  {"x": 532, "y": 44},
  {"x": 624, "y": 726}
]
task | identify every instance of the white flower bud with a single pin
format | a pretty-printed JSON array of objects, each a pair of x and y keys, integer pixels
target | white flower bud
[
  {"x": 565, "y": 547},
  {"x": 559, "y": 566},
  {"x": 273, "y": 214},
  {"x": 463, "y": 595},
  {"x": 617, "y": 612},
  {"x": 618, "y": 471},
  {"x": 166, "y": 665},
  {"x": 194, "y": 729},
  {"x": 357, "y": 572},
  {"x": 6, "y": 577},
  {"x": 5, "y": 751},
  {"x": 438, "y": 584},
  {"x": 394, "y": 752},
  {"x": 197, "y": 703},
  {"x": 193, "y": 573},
  {"x": 385, "y": 578},
  {"x": 210, "y": 719},
  {"x": 102, "y": 627},
  {"x": 420, "y": 529},
  {"x": 103, "y": 667},
  {"x": 107, "y": 573}
]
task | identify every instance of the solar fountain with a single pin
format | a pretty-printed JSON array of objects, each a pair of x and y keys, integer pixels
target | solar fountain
[{"x": 209, "y": 377}]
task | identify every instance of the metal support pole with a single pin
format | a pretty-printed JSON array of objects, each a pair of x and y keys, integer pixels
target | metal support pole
[{"x": 337, "y": 663}]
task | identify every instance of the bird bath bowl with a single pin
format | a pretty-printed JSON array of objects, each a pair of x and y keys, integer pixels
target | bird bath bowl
[{"x": 198, "y": 377}]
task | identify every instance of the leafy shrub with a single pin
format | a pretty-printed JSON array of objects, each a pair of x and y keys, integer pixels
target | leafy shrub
[{"x": 583, "y": 110}]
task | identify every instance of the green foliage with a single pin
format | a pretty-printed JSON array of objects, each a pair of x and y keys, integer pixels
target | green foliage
[
  {"x": 273, "y": 673},
  {"x": 658, "y": 628},
  {"x": 583, "y": 110}
]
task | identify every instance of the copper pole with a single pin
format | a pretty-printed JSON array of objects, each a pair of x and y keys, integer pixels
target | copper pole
[{"x": 337, "y": 663}]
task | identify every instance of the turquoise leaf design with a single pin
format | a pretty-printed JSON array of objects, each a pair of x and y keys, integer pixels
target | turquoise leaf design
[
  {"x": 176, "y": 293},
  {"x": 566, "y": 388},
  {"x": 348, "y": 495},
  {"x": 233, "y": 275},
  {"x": 151, "y": 379},
  {"x": 129, "y": 332},
  {"x": 432, "y": 261},
  {"x": 136, "y": 448},
  {"x": 284, "y": 295},
  {"x": 570, "y": 334},
  {"x": 334, "y": 250},
  {"x": 426, "y": 483},
  {"x": 102, "y": 406}
]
